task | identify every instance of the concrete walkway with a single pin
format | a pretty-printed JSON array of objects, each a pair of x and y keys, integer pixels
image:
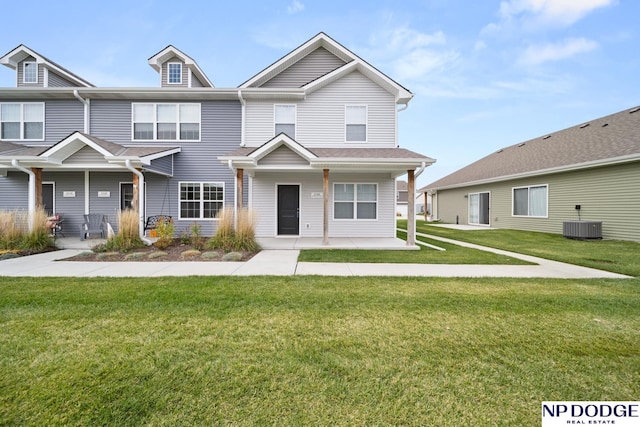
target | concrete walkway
[{"x": 283, "y": 262}]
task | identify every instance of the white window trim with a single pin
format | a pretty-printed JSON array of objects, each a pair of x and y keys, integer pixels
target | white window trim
[
  {"x": 295, "y": 118},
  {"x": 201, "y": 183},
  {"x": 529, "y": 187},
  {"x": 24, "y": 74},
  {"x": 478, "y": 193},
  {"x": 22, "y": 104},
  {"x": 169, "y": 64},
  {"x": 355, "y": 201},
  {"x": 366, "y": 123},
  {"x": 155, "y": 121}
]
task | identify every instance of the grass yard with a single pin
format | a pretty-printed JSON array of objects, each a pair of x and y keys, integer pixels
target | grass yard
[
  {"x": 311, "y": 350},
  {"x": 618, "y": 256},
  {"x": 453, "y": 255}
]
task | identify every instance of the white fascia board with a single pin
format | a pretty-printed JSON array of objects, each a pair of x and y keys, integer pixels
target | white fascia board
[
  {"x": 279, "y": 141},
  {"x": 74, "y": 139},
  {"x": 164, "y": 93}
]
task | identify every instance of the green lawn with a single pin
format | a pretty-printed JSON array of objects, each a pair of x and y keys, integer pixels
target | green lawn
[
  {"x": 311, "y": 350},
  {"x": 454, "y": 254},
  {"x": 612, "y": 255}
]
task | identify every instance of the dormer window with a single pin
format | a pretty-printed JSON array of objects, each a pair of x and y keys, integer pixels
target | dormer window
[
  {"x": 30, "y": 72},
  {"x": 174, "y": 70}
]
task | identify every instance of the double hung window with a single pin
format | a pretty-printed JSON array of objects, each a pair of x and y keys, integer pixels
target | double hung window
[
  {"x": 22, "y": 121},
  {"x": 29, "y": 72},
  {"x": 285, "y": 120},
  {"x": 166, "y": 122},
  {"x": 355, "y": 201},
  {"x": 174, "y": 72},
  {"x": 356, "y": 123},
  {"x": 530, "y": 201},
  {"x": 201, "y": 200}
]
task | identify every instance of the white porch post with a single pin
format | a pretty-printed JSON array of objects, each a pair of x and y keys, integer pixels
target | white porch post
[
  {"x": 411, "y": 212},
  {"x": 325, "y": 209}
]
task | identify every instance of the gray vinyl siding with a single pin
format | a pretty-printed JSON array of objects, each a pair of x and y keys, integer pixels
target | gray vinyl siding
[
  {"x": 71, "y": 208},
  {"x": 163, "y": 165},
  {"x": 195, "y": 82},
  {"x": 264, "y": 198},
  {"x": 55, "y": 80},
  {"x": 14, "y": 191},
  {"x": 111, "y": 120},
  {"x": 165, "y": 73},
  {"x": 607, "y": 194},
  {"x": 85, "y": 156},
  {"x": 321, "y": 117},
  {"x": 20, "y": 72},
  {"x": 311, "y": 67},
  {"x": 62, "y": 118},
  {"x": 282, "y": 156}
]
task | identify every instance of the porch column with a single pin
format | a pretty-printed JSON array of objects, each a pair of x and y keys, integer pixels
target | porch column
[
  {"x": 37, "y": 173},
  {"x": 411, "y": 209},
  {"x": 135, "y": 204},
  {"x": 239, "y": 188},
  {"x": 325, "y": 209}
]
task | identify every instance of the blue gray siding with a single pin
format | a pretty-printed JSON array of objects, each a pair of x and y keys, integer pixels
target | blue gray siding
[
  {"x": 13, "y": 191},
  {"x": 55, "y": 80},
  {"x": 163, "y": 165}
]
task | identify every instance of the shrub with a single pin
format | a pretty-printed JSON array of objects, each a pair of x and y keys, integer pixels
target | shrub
[
  {"x": 39, "y": 236},
  {"x": 240, "y": 239},
  {"x": 15, "y": 232},
  {"x": 128, "y": 236},
  {"x": 224, "y": 237},
  {"x": 165, "y": 230},
  {"x": 195, "y": 239},
  {"x": 9, "y": 231}
]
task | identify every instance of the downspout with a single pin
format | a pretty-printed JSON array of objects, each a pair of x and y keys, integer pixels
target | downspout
[
  {"x": 141, "y": 196},
  {"x": 243, "y": 104},
  {"x": 415, "y": 177},
  {"x": 85, "y": 102},
  {"x": 32, "y": 190},
  {"x": 235, "y": 195}
]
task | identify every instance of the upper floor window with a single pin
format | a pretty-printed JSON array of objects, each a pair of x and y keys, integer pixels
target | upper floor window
[
  {"x": 22, "y": 120},
  {"x": 30, "y": 72},
  {"x": 355, "y": 201},
  {"x": 167, "y": 122},
  {"x": 356, "y": 123},
  {"x": 530, "y": 201},
  {"x": 285, "y": 120},
  {"x": 174, "y": 72}
]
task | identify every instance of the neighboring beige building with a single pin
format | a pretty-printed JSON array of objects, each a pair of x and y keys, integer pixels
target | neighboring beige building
[{"x": 589, "y": 172}]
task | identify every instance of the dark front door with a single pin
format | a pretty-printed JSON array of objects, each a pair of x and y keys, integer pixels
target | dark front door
[
  {"x": 47, "y": 198},
  {"x": 288, "y": 210}
]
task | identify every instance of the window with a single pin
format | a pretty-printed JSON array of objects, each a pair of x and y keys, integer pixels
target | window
[
  {"x": 355, "y": 201},
  {"x": 285, "y": 120},
  {"x": 22, "y": 121},
  {"x": 167, "y": 122},
  {"x": 530, "y": 201},
  {"x": 356, "y": 123},
  {"x": 201, "y": 200},
  {"x": 30, "y": 72},
  {"x": 479, "y": 208},
  {"x": 174, "y": 73}
]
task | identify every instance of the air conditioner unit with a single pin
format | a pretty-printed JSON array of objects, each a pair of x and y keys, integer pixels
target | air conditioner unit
[{"x": 582, "y": 229}]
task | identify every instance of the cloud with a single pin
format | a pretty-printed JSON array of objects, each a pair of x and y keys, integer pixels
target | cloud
[
  {"x": 295, "y": 7},
  {"x": 543, "y": 13},
  {"x": 538, "y": 54}
]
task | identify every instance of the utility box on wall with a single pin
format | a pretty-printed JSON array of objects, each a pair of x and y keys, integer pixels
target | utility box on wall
[{"x": 582, "y": 229}]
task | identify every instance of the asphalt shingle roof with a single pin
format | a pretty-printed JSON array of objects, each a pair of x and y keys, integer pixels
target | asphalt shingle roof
[{"x": 609, "y": 137}]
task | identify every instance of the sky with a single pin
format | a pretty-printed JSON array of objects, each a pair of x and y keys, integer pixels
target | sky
[{"x": 485, "y": 74}]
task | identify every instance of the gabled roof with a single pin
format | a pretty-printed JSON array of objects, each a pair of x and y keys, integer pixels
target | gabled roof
[
  {"x": 20, "y": 53},
  {"x": 169, "y": 52},
  {"x": 352, "y": 62},
  {"x": 114, "y": 154},
  {"x": 605, "y": 141}
]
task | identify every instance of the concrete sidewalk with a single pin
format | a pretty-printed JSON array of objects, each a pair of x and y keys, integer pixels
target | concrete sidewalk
[{"x": 284, "y": 263}]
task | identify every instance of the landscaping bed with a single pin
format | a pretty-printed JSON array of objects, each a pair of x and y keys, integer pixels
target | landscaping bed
[{"x": 177, "y": 250}]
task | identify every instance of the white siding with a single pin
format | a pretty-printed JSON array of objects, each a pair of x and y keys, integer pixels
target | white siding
[
  {"x": 320, "y": 118},
  {"x": 264, "y": 204}
]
